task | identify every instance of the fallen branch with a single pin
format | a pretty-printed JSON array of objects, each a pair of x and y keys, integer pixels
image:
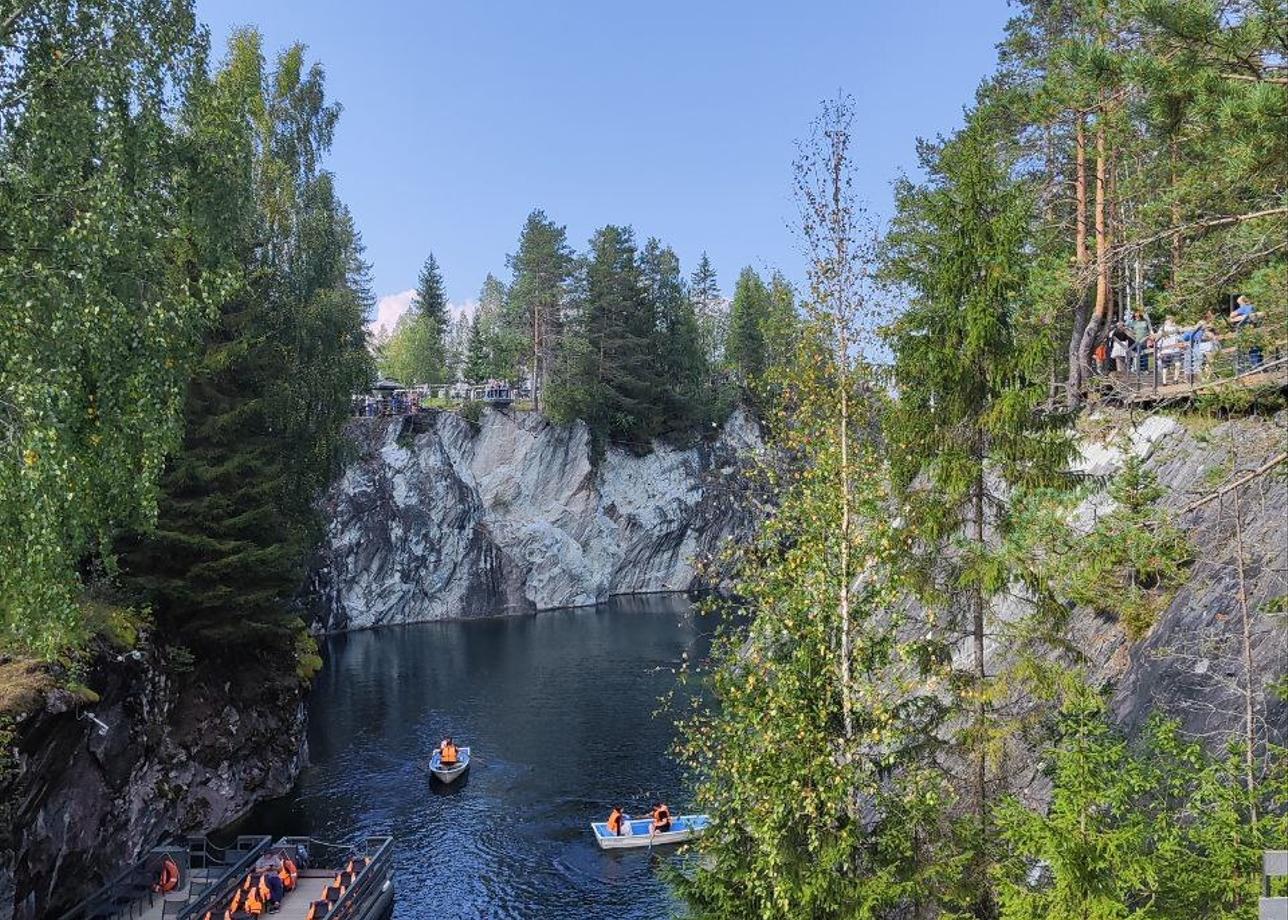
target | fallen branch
[{"x": 1242, "y": 480}]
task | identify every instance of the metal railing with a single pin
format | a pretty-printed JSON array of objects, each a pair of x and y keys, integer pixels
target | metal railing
[
  {"x": 129, "y": 894},
  {"x": 1188, "y": 370},
  {"x": 366, "y": 884},
  {"x": 1274, "y": 864}
]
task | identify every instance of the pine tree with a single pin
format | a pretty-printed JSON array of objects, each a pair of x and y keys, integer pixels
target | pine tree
[
  {"x": 745, "y": 348},
  {"x": 537, "y": 295},
  {"x": 709, "y": 308},
  {"x": 431, "y": 305}
]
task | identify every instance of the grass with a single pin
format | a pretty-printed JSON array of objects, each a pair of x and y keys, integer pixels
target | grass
[{"x": 23, "y": 683}]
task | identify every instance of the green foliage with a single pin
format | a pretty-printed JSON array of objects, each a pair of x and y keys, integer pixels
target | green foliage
[
  {"x": 102, "y": 204},
  {"x": 804, "y": 820},
  {"x": 537, "y": 297},
  {"x": 1153, "y": 829},
  {"x": 269, "y": 396},
  {"x": 746, "y": 348},
  {"x": 1127, "y": 565},
  {"x": 416, "y": 350},
  {"x": 472, "y": 411}
]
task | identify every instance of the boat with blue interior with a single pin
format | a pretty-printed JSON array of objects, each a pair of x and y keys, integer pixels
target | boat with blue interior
[
  {"x": 640, "y": 833},
  {"x": 294, "y": 878}
]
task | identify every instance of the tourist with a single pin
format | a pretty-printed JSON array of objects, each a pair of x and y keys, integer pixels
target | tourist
[
  {"x": 1142, "y": 330},
  {"x": 615, "y": 821},
  {"x": 661, "y": 818},
  {"x": 1244, "y": 316},
  {"x": 1169, "y": 350},
  {"x": 447, "y": 752},
  {"x": 1121, "y": 343}
]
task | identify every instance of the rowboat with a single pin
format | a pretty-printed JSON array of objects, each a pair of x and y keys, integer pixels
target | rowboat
[
  {"x": 684, "y": 827},
  {"x": 450, "y": 774}
]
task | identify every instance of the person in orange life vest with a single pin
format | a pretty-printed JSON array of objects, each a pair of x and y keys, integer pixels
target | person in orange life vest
[
  {"x": 447, "y": 753},
  {"x": 661, "y": 819},
  {"x": 169, "y": 879},
  {"x": 271, "y": 889},
  {"x": 615, "y": 821}
]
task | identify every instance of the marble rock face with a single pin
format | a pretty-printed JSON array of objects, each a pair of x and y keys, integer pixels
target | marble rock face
[{"x": 439, "y": 518}]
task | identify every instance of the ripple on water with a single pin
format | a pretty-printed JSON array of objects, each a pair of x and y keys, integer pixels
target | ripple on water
[{"x": 558, "y": 710}]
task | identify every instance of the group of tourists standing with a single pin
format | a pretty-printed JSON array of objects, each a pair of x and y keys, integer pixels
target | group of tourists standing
[{"x": 1181, "y": 352}]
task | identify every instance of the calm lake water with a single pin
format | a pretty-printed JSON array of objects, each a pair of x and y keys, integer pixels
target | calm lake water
[{"x": 559, "y": 711}]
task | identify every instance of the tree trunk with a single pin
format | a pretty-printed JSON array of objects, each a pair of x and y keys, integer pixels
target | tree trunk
[
  {"x": 984, "y": 908},
  {"x": 1249, "y": 709},
  {"x": 1097, "y": 321},
  {"x": 1174, "y": 155},
  {"x": 1075, "y": 381},
  {"x": 536, "y": 357}
]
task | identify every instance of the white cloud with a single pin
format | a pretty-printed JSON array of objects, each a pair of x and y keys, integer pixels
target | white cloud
[
  {"x": 391, "y": 306},
  {"x": 388, "y": 309}
]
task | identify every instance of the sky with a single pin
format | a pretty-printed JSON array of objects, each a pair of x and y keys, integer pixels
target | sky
[{"x": 678, "y": 117}]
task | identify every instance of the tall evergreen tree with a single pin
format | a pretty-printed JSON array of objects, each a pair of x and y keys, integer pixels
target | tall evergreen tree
[
  {"x": 745, "y": 348},
  {"x": 537, "y": 294},
  {"x": 709, "y": 308},
  {"x": 266, "y": 405},
  {"x": 970, "y": 380},
  {"x": 681, "y": 361}
]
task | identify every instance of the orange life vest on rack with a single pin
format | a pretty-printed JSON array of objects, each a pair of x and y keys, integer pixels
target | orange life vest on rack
[
  {"x": 661, "y": 818},
  {"x": 235, "y": 904},
  {"x": 254, "y": 904},
  {"x": 169, "y": 879},
  {"x": 615, "y": 821},
  {"x": 317, "y": 910},
  {"x": 288, "y": 880}
]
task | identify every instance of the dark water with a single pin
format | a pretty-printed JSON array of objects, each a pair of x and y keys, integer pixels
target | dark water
[{"x": 559, "y": 711}]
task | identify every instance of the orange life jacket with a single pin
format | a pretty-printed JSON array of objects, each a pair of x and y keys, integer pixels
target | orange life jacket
[
  {"x": 254, "y": 904},
  {"x": 235, "y": 904},
  {"x": 317, "y": 909},
  {"x": 289, "y": 866},
  {"x": 615, "y": 821},
  {"x": 288, "y": 880},
  {"x": 661, "y": 818},
  {"x": 447, "y": 754}
]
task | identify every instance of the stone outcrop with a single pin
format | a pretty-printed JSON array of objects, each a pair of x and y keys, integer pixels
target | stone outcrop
[
  {"x": 442, "y": 518},
  {"x": 92, "y": 779}
]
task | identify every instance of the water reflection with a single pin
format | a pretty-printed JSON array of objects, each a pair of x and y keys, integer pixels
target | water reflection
[{"x": 558, "y": 710}]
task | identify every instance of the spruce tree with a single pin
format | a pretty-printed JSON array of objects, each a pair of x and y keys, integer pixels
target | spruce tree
[
  {"x": 687, "y": 398},
  {"x": 270, "y": 394},
  {"x": 708, "y": 307},
  {"x": 745, "y": 348},
  {"x": 970, "y": 380}
]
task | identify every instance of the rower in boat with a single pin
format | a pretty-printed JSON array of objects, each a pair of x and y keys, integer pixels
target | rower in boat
[
  {"x": 619, "y": 822},
  {"x": 661, "y": 818},
  {"x": 447, "y": 752}
]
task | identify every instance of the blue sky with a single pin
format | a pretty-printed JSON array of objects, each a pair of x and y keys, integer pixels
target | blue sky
[{"x": 676, "y": 117}]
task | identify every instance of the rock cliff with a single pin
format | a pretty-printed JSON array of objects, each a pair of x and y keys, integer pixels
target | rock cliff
[
  {"x": 1190, "y": 664},
  {"x": 90, "y": 780},
  {"x": 441, "y": 518}
]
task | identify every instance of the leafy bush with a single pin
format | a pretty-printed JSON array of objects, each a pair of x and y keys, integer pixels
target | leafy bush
[{"x": 472, "y": 411}]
